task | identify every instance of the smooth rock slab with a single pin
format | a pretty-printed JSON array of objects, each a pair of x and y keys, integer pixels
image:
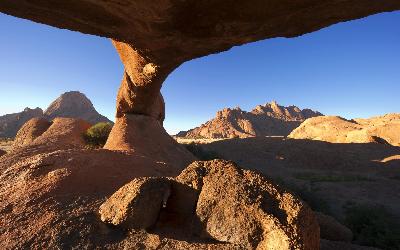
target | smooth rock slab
[
  {"x": 31, "y": 130},
  {"x": 137, "y": 204}
]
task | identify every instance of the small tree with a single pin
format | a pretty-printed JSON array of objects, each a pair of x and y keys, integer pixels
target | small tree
[{"x": 97, "y": 135}]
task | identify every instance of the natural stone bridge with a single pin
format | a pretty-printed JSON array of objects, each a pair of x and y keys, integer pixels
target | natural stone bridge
[
  {"x": 155, "y": 37},
  {"x": 52, "y": 190}
]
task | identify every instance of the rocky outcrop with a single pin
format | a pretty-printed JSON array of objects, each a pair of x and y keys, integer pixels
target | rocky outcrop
[
  {"x": 245, "y": 208},
  {"x": 270, "y": 119},
  {"x": 31, "y": 130},
  {"x": 137, "y": 204},
  {"x": 74, "y": 104},
  {"x": 55, "y": 197},
  {"x": 2, "y": 152},
  {"x": 11, "y": 123},
  {"x": 331, "y": 229},
  {"x": 63, "y": 132},
  {"x": 50, "y": 196},
  {"x": 144, "y": 135},
  {"x": 58, "y": 134},
  {"x": 382, "y": 129},
  {"x": 49, "y": 200},
  {"x": 164, "y": 34},
  {"x": 71, "y": 104}
]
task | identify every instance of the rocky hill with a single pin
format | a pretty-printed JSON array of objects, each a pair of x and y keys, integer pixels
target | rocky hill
[
  {"x": 270, "y": 119},
  {"x": 11, "y": 123},
  {"x": 71, "y": 104},
  {"x": 74, "y": 104},
  {"x": 381, "y": 129}
]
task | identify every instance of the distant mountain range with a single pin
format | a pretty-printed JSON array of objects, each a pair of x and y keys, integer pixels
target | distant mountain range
[
  {"x": 270, "y": 119},
  {"x": 71, "y": 104}
]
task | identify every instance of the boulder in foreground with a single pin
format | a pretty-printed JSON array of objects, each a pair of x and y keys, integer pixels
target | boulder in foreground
[
  {"x": 243, "y": 207},
  {"x": 137, "y": 204},
  {"x": 219, "y": 201}
]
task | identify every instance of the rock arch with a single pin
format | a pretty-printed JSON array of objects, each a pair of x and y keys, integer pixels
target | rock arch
[{"x": 155, "y": 37}]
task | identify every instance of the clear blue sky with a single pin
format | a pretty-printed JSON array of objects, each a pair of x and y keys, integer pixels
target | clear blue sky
[{"x": 351, "y": 69}]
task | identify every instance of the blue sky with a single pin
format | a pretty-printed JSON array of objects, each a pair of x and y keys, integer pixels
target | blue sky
[{"x": 350, "y": 69}]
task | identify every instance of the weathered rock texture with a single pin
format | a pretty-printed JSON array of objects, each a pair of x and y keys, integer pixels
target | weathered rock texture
[
  {"x": 2, "y": 152},
  {"x": 382, "y": 129},
  {"x": 64, "y": 131},
  {"x": 270, "y": 119},
  {"x": 31, "y": 130},
  {"x": 144, "y": 135},
  {"x": 136, "y": 204},
  {"x": 54, "y": 196},
  {"x": 11, "y": 123},
  {"x": 163, "y": 34},
  {"x": 242, "y": 207},
  {"x": 49, "y": 200},
  {"x": 61, "y": 133},
  {"x": 50, "y": 196},
  {"x": 74, "y": 104}
]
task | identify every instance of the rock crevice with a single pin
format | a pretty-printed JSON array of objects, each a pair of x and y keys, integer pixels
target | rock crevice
[{"x": 217, "y": 200}]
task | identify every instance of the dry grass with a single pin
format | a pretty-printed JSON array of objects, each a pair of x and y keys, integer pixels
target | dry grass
[
  {"x": 197, "y": 141},
  {"x": 6, "y": 144}
]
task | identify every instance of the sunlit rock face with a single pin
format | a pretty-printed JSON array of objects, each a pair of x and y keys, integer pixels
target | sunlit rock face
[
  {"x": 270, "y": 119},
  {"x": 381, "y": 129},
  {"x": 145, "y": 136},
  {"x": 74, "y": 104},
  {"x": 51, "y": 195},
  {"x": 162, "y": 34}
]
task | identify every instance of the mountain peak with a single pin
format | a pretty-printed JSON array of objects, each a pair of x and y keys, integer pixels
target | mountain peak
[
  {"x": 270, "y": 119},
  {"x": 71, "y": 104},
  {"x": 74, "y": 104}
]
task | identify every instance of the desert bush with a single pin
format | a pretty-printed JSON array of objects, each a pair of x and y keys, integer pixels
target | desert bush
[
  {"x": 373, "y": 226},
  {"x": 97, "y": 135},
  {"x": 202, "y": 154}
]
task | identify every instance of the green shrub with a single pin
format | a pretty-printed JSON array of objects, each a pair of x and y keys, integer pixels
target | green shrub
[
  {"x": 97, "y": 135},
  {"x": 373, "y": 226},
  {"x": 202, "y": 154}
]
